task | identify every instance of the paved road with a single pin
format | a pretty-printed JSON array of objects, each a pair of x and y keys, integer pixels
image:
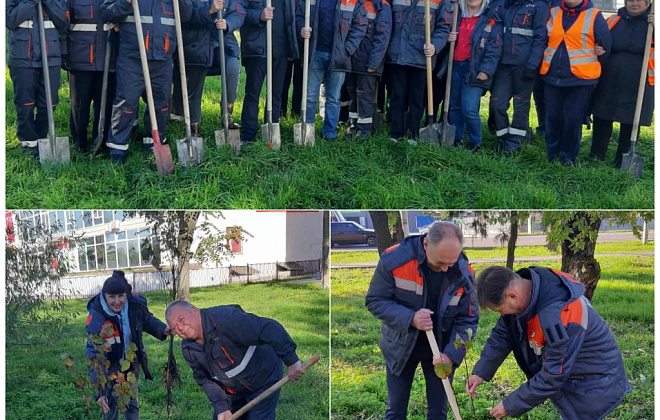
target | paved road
[
  {"x": 524, "y": 240},
  {"x": 503, "y": 260}
]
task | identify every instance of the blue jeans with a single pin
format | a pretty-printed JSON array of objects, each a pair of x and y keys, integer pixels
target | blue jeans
[
  {"x": 319, "y": 71},
  {"x": 464, "y": 104}
]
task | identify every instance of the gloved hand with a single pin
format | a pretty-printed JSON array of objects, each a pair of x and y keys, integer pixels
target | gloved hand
[{"x": 529, "y": 74}]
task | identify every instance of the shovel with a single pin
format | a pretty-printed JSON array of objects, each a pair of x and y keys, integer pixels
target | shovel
[
  {"x": 445, "y": 381},
  {"x": 51, "y": 149},
  {"x": 447, "y": 131},
  {"x": 270, "y": 131},
  {"x": 163, "y": 155},
  {"x": 377, "y": 117},
  {"x": 277, "y": 385},
  {"x": 630, "y": 161},
  {"x": 190, "y": 149},
  {"x": 104, "y": 98},
  {"x": 225, "y": 136},
  {"x": 428, "y": 134},
  {"x": 303, "y": 133}
]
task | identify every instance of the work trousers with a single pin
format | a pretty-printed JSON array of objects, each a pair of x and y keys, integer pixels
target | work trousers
[
  {"x": 195, "y": 76},
  {"x": 30, "y": 95},
  {"x": 87, "y": 87},
  {"x": 361, "y": 88},
  {"x": 130, "y": 85},
  {"x": 233, "y": 73},
  {"x": 509, "y": 82},
  {"x": 293, "y": 74},
  {"x": 539, "y": 103},
  {"x": 319, "y": 71},
  {"x": 566, "y": 110},
  {"x": 255, "y": 70},
  {"x": 464, "y": 104},
  {"x": 398, "y": 387},
  {"x": 408, "y": 87},
  {"x": 602, "y": 133}
]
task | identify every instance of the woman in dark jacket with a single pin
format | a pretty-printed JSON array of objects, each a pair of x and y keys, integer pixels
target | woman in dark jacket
[
  {"x": 615, "y": 96},
  {"x": 475, "y": 59},
  {"x": 120, "y": 318}
]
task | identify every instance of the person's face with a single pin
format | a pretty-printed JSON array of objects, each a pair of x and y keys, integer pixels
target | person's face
[
  {"x": 443, "y": 255},
  {"x": 511, "y": 305},
  {"x": 635, "y": 7},
  {"x": 474, "y": 4},
  {"x": 115, "y": 302},
  {"x": 185, "y": 323},
  {"x": 572, "y": 3}
]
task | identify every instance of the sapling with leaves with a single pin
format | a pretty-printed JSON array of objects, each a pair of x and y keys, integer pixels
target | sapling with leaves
[{"x": 95, "y": 379}]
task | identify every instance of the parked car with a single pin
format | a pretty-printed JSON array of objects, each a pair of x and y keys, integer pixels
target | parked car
[{"x": 351, "y": 233}]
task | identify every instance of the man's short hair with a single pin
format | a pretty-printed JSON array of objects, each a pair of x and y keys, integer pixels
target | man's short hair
[
  {"x": 443, "y": 230},
  {"x": 491, "y": 285},
  {"x": 178, "y": 304}
]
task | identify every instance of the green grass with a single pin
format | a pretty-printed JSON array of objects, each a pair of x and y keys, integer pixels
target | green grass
[
  {"x": 353, "y": 257},
  {"x": 372, "y": 173},
  {"x": 624, "y": 298},
  {"x": 38, "y": 387}
]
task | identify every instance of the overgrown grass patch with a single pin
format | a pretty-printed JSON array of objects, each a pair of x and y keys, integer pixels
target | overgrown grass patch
[
  {"x": 348, "y": 173},
  {"x": 38, "y": 387},
  {"x": 624, "y": 298}
]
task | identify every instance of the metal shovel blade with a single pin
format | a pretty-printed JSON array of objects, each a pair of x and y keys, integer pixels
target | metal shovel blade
[
  {"x": 234, "y": 140},
  {"x": 272, "y": 135},
  {"x": 58, "y": 152},
  {"x": 197, "y": 149},
  {"x": 633, "y": 163},
  {"x": 429, "y": 135},
  {"x": 377, "y": 120},
  {"x": 298, "y": 138},
  {"x": 448, "y": 135},
  {"x": 163, "y": 155},
  {"x": 310, "y": 133}
]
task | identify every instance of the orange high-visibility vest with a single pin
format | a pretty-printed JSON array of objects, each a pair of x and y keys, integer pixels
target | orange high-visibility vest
[
  {"x": 579, "y": 40},
  {"x": 611, "y": 21}
]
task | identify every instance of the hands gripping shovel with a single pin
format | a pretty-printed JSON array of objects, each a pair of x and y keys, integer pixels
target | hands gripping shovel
[
  {"x": 163, "y": 155},
  {"x": 277, "y": 385},
  {"x": 190, "y": 149},
  {"x": 51, "y": 149},
  {"x": 225, "y": 136}
]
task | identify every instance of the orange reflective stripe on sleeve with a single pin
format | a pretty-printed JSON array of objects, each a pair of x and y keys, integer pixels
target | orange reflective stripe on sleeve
[
  {"x": 564, "y": 275},
  {"x": 407, "y": 277}
]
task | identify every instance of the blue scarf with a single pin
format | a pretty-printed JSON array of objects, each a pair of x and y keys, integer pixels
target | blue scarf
[{"x": 123, "y": 320}]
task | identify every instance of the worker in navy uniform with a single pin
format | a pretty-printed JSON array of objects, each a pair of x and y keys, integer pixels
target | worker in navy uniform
[
  {"x": 160, "y": 43},
  {"x": 200, "y": 41},
  {"x": 87, "y": 42},
  {"x": 253, "y": 57},
  {"x": 24, "y": 57},
  {"x": 234, "y": 356}
]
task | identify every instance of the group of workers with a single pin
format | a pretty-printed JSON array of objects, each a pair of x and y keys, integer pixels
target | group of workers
[{"x": 564, "y": 51}]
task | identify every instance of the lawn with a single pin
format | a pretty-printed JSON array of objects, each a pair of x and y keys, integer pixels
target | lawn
[
  {"x": 354, "y": 257},
  {"x": 348, "y": 173},
  {"x": 38, "y": 387},
  {"x": 624, "y": 298}
]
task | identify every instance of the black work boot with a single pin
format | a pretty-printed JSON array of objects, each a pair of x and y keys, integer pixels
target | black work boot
[
  {"x": 230, "y": 117},
  {"x": 196, "y": 130}
]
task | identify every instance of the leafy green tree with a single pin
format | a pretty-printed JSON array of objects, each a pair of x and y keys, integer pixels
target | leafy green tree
[{"x": 576, "y": 232}]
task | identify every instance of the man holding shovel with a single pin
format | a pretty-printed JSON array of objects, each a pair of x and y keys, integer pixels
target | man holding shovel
[
  {"x": 24, "y": 59},
  {"x": 561, "y": 343},
  {"x": 253, "y": 57},
  {"x": 158, "y": 28},
  {"x": 234, "y": 355},
  {"x": 423, "y": 284}
]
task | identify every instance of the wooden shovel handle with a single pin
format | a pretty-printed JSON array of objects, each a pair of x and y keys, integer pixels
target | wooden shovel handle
[
  {"x": 445, "y": 381},
  {"x": 277, "y": 385}
]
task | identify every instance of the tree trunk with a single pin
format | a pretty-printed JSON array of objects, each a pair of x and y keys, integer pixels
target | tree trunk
[
  {"x": 514, "y": 225},
  {"x": 581, "y": 263},
  {"x": 386, "y": 236},
  {"x": 325, "y": 257},
  {"x": 187, "y": 223}
]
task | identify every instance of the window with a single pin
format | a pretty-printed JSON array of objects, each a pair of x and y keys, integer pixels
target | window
[{"x": 235, "y": 243}]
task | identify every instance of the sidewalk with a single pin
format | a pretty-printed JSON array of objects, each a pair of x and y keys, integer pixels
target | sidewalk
[{"x": 503, "y": 260}]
